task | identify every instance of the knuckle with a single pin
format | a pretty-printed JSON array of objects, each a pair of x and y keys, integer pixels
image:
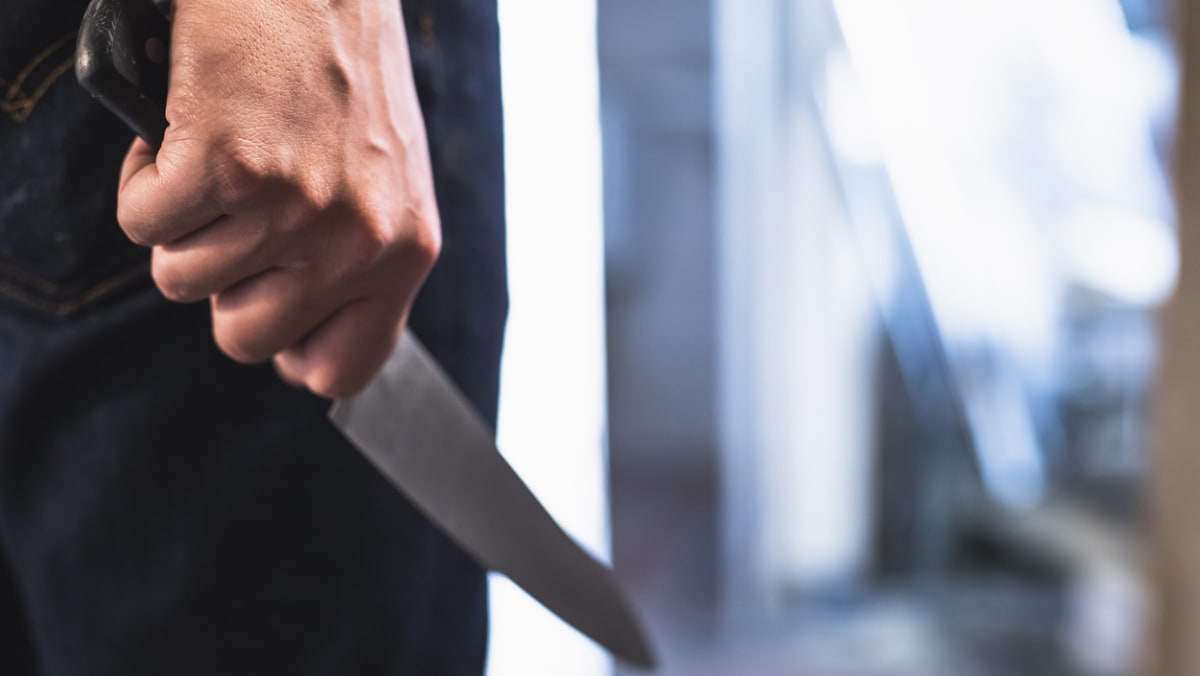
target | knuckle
[
  {"x": 241, "y": 174},
  {"x": 328, "y": 382},
  {"x": 287, "y": 370},
  {"x": 235, "y": 343},
  {"x": 173, "y": 286},
  {"x": 427, "y": 244},
  {"x": 414, "y": 242},
  {"x": 373, "y": 240},
  {"x": 171, "y": 289},
  {"x": 362, "y": 242},
  {"x": 129, "y": 217},
  {"x": 423, "y": 236},
  {"x": 308, "y": 194}
]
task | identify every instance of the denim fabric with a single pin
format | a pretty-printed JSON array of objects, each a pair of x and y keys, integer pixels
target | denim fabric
[
  {"x": 59, "y": 158},
  {"x": 166, "y": 511}
]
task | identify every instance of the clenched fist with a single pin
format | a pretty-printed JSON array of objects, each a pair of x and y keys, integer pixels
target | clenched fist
[{"x": 293, "y": 187}]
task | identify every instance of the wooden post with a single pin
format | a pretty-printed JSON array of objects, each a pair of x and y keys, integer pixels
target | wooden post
[{"x": 1173, "y": 640}]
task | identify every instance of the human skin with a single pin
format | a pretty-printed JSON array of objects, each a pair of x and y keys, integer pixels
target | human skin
[{"x": 293, "y": 188}]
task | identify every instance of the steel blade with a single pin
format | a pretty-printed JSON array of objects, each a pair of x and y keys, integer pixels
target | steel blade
[{"x": 426, "y": 438}]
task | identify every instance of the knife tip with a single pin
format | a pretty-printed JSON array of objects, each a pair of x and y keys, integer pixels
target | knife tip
[
  {"x": 641, "y": 655},
  {"x": 635, "y": 647}
]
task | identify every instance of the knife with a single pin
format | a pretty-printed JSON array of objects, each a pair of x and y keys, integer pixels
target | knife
[{"x": 411, "y": 422}]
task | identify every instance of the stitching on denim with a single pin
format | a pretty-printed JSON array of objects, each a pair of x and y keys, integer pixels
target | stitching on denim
[
  {"x": 92, "y": 293},
  {"x": 31, "y": 279},
  {"x": 43, "y": 285},
  {"x": 17, "y": 103}
]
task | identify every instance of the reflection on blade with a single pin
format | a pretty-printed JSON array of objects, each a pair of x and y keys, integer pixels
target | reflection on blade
[{"x": 425, "y": 437}]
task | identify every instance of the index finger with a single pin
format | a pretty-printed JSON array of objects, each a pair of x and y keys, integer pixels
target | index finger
[{"x": 162, "y": 195}]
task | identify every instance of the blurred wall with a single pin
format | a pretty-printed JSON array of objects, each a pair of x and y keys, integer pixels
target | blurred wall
[
  {"x": 1171, "y": 645},
  {"x": 552, "y": 402},
  {"x": 655, "y": 82}
]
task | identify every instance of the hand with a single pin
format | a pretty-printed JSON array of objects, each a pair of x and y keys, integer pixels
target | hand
[{"x": 293, "y": 187}]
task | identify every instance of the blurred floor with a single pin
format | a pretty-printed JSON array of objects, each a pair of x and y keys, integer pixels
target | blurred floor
[{"x": 987, "y": 623}]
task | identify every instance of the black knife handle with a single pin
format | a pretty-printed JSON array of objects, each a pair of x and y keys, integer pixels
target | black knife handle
[{"x": 121, "y": 59}]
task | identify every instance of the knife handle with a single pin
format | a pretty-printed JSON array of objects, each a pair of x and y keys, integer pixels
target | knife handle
[{"x": 121, "y": 60}]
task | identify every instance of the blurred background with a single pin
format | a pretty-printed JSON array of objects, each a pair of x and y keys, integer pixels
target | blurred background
[
  {"x": 881, "y": 281},
  {"x": 873, "y": 302}
]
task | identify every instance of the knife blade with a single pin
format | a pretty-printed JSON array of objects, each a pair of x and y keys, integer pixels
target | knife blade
[{"x": 411, "y": 422}]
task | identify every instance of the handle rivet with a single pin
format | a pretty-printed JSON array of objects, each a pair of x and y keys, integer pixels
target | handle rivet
[{"x": 156, "y": 51}]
